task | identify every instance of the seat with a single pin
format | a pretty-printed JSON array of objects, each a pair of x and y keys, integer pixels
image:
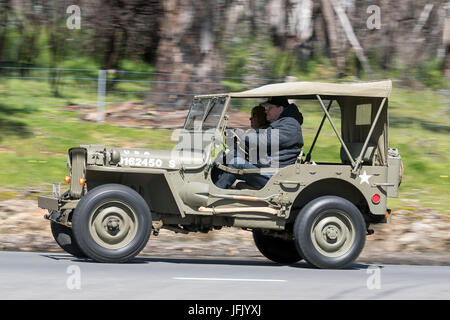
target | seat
[{"x": 355, "y": 149}]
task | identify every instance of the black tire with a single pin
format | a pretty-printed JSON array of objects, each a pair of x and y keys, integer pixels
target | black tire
[
  {"x": 276, "y": 249},
  {"x": 64, "y": 238},
  {"x": 91, "y": 223},
  {"x": 330, "y": 232}
]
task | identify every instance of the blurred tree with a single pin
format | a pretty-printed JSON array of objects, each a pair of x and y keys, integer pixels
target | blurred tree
[
  {"x": 187, "y": 55},
  {"x": 54, "y": 17},
  {"x": 193, "y": 40},
  {"x": 5, "y": 9},
  {"x": 28, "y": 22},
  {"x": 117, "y": 29},
  {"x": 332, "y": 34},
  {"x": 446, "y": 39}
]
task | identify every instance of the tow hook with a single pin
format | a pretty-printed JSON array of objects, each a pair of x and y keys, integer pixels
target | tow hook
[{"x": 370, "y": 232}]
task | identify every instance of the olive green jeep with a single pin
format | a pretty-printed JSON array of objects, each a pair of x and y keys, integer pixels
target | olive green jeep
[{"x": 312, "y": 210}]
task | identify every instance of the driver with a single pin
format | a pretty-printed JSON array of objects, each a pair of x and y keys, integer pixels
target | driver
[{"x": 285, "y": 125}]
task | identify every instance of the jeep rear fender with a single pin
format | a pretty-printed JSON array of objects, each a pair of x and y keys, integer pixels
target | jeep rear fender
[{"x": 339, "y": 188}]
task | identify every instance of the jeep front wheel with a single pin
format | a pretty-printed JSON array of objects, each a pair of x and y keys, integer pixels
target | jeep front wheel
[
  {"x": 330, "y": 232},
  {"x": 276, "y": 249},
  {"x": 112, "y": 223}
]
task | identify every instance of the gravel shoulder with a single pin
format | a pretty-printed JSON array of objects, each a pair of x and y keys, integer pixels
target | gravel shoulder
[{"x": 414, "y": 236}]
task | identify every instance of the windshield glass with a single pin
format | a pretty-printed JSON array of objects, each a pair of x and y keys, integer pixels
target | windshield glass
[{"x": 205, "y": 113}]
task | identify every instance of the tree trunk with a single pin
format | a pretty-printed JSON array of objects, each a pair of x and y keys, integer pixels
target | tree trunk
[
  {"x": 446, "y": 41},
  {"x": 5, "y": 8},
  {"x": 351, "y": 36},
  {"x": 290, "y": 22},
  {"x": 188, "y": 61},
  {"x": 332, "y": 36}
]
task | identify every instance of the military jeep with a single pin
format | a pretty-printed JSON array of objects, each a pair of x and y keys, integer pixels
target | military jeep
[{"x": 311, "y": 210}]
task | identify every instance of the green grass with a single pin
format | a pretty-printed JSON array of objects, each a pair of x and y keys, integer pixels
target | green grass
[
  {"x": 36, "y": 131},
  {"x": 420, "y": 129}
]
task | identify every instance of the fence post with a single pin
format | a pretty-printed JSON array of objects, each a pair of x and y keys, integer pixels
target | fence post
[{"x": 101, "y": 91}]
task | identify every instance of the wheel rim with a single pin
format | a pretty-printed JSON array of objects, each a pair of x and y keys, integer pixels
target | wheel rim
[
  {"x": 113, "y": 225},
  {"x": 333, "y": 233}
]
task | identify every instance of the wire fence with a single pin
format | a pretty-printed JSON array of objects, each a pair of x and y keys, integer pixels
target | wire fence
[
  {"x": 93, "y": 86},
  {"x": 102, "y": 87}
]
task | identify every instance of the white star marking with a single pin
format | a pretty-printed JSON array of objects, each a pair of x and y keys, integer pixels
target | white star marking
[{"x": 365, "y": 177}]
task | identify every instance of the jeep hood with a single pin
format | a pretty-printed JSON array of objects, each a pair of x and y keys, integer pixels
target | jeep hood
[{"x": 98, "y": 155}]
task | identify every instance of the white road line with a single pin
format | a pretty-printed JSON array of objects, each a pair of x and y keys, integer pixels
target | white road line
[{"x": 228, "y": 279}]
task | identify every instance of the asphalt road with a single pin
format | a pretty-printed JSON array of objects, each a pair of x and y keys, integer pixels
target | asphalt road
[{"x": 61, "y": 276}]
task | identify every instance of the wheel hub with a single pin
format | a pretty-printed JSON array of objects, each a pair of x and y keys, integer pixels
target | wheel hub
[
  {"x": 113, "y": 225},
  {"x": 332, "y": 233}
]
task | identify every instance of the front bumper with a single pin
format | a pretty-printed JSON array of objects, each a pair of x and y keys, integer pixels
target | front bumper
[
  {"x": 49, "y": 203},
  {"x": 52, "y": 203},
  {"x": 59, "y": 209}
]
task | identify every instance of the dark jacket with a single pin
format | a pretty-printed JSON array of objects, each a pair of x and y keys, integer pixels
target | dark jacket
[{"x": 282, "y": 139}]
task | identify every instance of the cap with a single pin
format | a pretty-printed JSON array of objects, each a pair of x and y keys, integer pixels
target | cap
[{"x": 278, "y": 101}]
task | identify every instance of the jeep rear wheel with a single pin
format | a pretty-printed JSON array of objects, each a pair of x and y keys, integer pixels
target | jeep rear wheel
[
  {"x": 112, "y": 223},
  {"x": 276, "y": 249},
  {"x": 330, "y": 232}
]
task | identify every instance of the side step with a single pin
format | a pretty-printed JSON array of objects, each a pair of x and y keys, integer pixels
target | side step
[{"x": 237, "y": 210}]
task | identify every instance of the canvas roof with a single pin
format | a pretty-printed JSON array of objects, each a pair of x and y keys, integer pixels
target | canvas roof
[{"x": 377, "y": 89}]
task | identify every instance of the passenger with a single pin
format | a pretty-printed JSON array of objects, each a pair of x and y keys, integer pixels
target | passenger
[
  {"x": 284, "y": 122},
  {"x": 258, "y": 118}
]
